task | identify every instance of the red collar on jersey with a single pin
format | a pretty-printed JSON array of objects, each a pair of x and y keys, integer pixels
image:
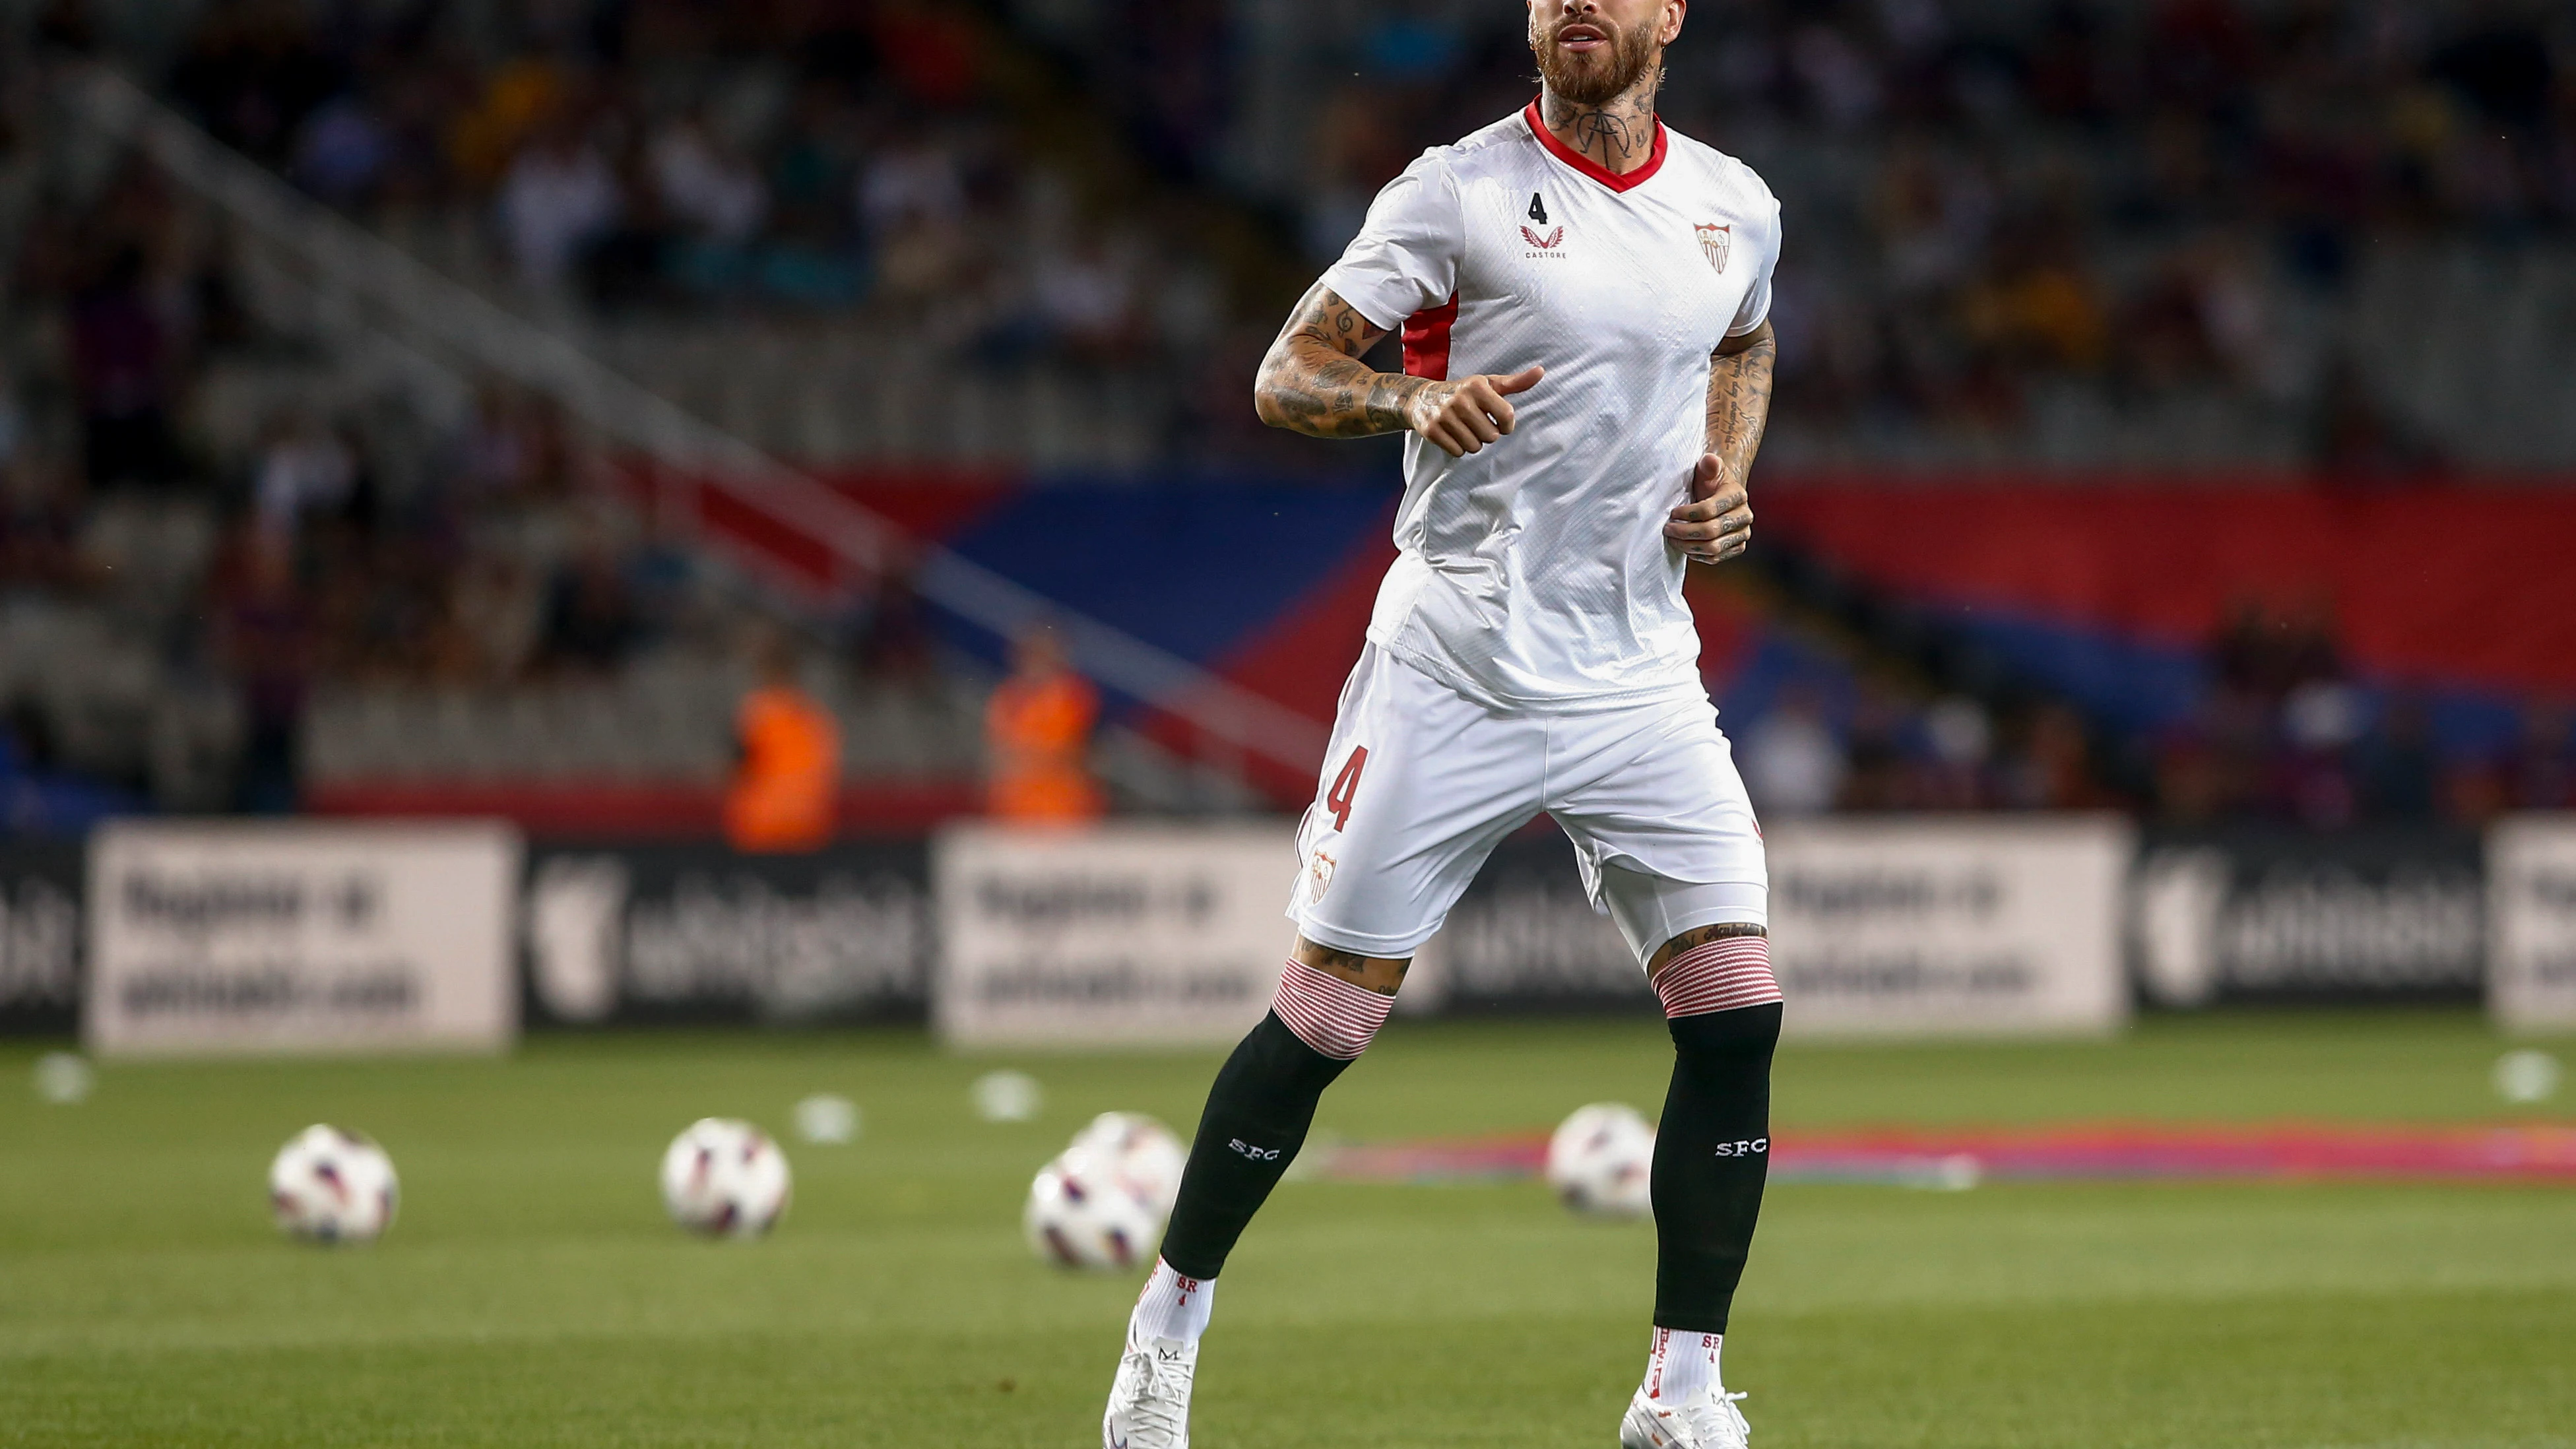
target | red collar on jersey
[{"x": 1590, "y": 167}]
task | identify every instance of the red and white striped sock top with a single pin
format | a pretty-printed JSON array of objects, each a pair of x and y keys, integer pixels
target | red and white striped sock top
[
  {"x": 1329, "y": 1014},
  {"x": 1722, "y": 975}
]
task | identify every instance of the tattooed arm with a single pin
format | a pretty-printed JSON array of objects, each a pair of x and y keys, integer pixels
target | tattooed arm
[
  {"x": 1717, "y": 524},
  {"x": 1314, "y": 383}
]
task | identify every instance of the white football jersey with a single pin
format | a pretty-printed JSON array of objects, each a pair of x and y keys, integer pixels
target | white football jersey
[{"x": 1534, "y": 576}]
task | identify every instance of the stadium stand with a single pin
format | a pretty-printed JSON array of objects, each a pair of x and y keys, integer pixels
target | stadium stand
[
  {"x": 2126, "y": 232},
  {"x": 296, "y": 566},
  {"x": 742, "y": 207}
]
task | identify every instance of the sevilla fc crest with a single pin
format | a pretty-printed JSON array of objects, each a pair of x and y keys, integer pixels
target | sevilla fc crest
[{"x": 1717, "y": 241}]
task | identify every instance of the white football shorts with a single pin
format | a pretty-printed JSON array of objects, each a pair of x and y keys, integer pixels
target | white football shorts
[{"x": 1420, "y": 784}]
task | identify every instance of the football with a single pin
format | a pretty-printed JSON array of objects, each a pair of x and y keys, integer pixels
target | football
[
  {"x": 1144, "y": 1149},
  {"x": 725, "y": 1179},
  {"x": 1601, "y": 1161},
  {"x": 330, "y": 1186},
  {"x": 1084, "y": 1211}
]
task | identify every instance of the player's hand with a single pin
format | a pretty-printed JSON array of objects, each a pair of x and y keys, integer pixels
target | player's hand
[
  {"x": 1717, "y": 524},
  {"x": 1461, "y": 417}
]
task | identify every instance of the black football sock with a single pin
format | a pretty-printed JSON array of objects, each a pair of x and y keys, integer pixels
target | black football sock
[
  {"x": 1256, "y": 1119},
  {"x": 1712, "y": 1152}
]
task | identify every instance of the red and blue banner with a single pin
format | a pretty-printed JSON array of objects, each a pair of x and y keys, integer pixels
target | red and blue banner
[
  {"x": 2106, "y": 592},
  {"x": 2109, "y": 591}
]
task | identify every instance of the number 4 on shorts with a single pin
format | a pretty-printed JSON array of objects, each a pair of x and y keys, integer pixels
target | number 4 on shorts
[{"x": 1346, "y": 787}]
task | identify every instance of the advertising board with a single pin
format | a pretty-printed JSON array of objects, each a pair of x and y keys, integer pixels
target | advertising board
[
  {"x": 2531, "y": 875},
  {"x": 641, "y": 933},
  {"x": 1525, "y": 940},
  {"x": 1927, "y": 925},
  {"x": 1965, "y": 925},
  {"x": 244, "y": 937},
  {"x": 1122, "y": 934},
  {"x": 40, "y": 936},
  {"x": 2276, "y": 913}
]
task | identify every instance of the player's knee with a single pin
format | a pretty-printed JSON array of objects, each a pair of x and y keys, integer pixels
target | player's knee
[
  {"x": 1722, "y": 1002},
  {"x": 1334, "y": 1017},
  {"x": 1744, "y": 1036}
]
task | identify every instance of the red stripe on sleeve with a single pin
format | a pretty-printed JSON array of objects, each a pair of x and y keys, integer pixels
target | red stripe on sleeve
[{"x": 1426, "y": 341}]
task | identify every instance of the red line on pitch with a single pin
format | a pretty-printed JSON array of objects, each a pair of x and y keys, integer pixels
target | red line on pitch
[{"x": 2274, "y": 1152}]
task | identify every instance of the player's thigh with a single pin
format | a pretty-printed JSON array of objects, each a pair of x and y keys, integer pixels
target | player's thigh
[
  {"x": 1664, "y": 829},
  {"x": 1418, "y": 786},
  {"x": 1651, "y": 911}
]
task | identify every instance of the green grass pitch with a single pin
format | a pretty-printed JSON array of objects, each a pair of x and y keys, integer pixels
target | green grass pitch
[{"x": 532, "y": 1294}]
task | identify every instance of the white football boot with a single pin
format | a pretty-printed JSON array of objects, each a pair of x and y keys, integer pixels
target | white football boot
[
  {"x": 1702, "y": 1421},
  {"x": 1149, "y": 1401}
]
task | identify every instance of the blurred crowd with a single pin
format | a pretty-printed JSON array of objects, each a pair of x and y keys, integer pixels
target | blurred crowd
[
  {"x": 126, "y": 309},
  {"x": 2287, "y": 730},
  {"x": 2283, "y": 729},
  {"x": 682, "y": 154},
  {"x": 1987, "y": 198},
  {"x": 1993, "y": 203},
  {"x": 2145, "y": 198},
  {"x": 1876, "y": 748},
  {"x": 316, "y": 538}
]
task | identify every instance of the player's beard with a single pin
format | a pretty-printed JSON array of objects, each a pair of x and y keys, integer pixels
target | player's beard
[{"x": 1602, "y": 76}]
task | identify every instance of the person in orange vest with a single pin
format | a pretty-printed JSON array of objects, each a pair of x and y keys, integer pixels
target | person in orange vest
[
  {"x": 787, "y": 776},
  {"x": 1038, "y": 726}
]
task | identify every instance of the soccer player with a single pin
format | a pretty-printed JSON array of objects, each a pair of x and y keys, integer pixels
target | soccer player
[{"x": 1583, "y": 298}]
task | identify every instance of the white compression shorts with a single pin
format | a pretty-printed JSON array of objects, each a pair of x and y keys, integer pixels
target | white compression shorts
[{"x": 1420, "y": 784}]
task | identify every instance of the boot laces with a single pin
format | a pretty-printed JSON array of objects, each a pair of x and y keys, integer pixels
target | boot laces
[
  {"x": 1158, "y": 1407},
  {"x": 1716, "y": 1423}
]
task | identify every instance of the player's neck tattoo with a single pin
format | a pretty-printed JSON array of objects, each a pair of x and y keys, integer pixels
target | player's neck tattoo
[{"x": 1619, "y": 133}]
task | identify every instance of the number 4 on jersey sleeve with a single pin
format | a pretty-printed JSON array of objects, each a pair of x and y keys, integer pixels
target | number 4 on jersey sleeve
[{"x": 1346, "y": 787}]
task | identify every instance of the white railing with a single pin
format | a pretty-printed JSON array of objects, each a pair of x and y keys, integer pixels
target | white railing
[{"x": 427, "y": 311}]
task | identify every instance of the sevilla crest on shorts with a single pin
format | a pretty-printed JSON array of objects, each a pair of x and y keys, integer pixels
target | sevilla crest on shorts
[{"x": 1717, "y": 240}]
